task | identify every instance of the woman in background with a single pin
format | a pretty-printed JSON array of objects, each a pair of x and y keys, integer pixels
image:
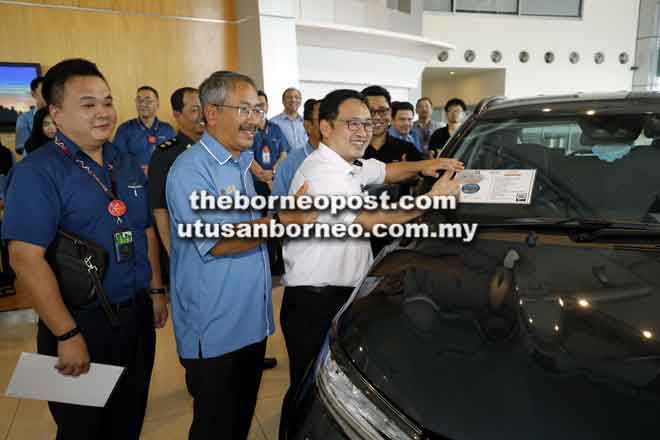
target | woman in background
[{"x": 43, "y": 130}]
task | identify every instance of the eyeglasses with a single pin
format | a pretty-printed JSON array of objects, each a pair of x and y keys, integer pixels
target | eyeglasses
[
  {"x": 245, "y": 112},
  {"x": 355, "y": 124},
  {"x": 382, "y": 112}
]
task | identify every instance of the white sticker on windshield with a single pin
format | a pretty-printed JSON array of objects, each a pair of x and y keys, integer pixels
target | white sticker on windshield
[{"x": 496, "y": 186}]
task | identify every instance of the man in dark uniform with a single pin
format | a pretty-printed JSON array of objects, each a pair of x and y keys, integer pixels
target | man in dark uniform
[
  {"x": 187, "y": 112},
  {"x": 386, "y": 148},
  {"x": 81, "y": 183}
]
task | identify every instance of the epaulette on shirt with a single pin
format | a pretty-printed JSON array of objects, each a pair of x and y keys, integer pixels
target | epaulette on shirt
[{"x": 167, "y": 144}]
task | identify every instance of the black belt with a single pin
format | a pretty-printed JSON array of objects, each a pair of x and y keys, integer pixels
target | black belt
[
  {"x": 138, "y": 299},
  {"x": 327, "y": 290}
]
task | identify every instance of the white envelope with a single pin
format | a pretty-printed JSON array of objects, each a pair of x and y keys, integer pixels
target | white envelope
[{"x": 35, "y": 377}]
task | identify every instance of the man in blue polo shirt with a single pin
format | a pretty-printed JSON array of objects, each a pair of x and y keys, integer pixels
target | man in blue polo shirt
[
  {"x": 402, "y": 124},
  {"x": 290, "y": 164},
  {"x": 270, "y": 147},
  {"x": 25, "y": 120},
  {"x": 70, "y": 182},
  {"x": 141, "y": 135},
  {"x": 221, "y": 289}
]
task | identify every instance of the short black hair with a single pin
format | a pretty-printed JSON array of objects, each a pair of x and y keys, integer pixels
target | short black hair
[
  {"x": 149, "y": 88},
  {"x": 287, "y": 90},
  {"x": 424, "y": 98},
  {"x": 52, "y": 89},
  {"x": 262, "y": 93},
  {"x": 308, "y": 109},
  {"x": 176, "y": 100},
  {"x": 330, "y": 104},
  {"x": 377, "y": 91},
  {"x": 37, "y": 138},
  {"x": 401, "y": 105},
  {"x": 455, "y": 101},
  {"x": 35, "y": 83}
]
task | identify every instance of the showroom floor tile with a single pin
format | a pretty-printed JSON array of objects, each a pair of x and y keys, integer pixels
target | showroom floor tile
[{"x": 170, "y": 407}]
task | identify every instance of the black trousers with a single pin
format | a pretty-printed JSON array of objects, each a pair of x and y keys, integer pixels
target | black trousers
[
  {"x": 306, "y": 315},
  {"x": 131, "y": 345},
  {"x": 224, "y": 391}
]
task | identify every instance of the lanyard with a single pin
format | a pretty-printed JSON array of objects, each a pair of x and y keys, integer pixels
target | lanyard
[{"x": 117, "y": 208}]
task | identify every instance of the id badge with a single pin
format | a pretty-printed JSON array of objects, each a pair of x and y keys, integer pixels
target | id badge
[{"x": 123, "y": 241}]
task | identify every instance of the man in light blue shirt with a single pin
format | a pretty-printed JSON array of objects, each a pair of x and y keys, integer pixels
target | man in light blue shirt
[
  {"x": 289, "y": 166},
  {"x": 25, "y": 120},
  {"x": 220, "y": 288},
  {"x": 402, "y": 124},
  {"x": 290, "y": 121}
]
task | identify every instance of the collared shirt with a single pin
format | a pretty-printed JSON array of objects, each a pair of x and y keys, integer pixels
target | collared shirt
[
  {"x": 328, "y": 262},
  {"x": 269, "y": 144},
  {"x": 287, "y": 169},
  {"x": 24, "y": 124},
  {"x": 160, "y": 164},
  {"x": 134, "y": 137},
  {"x": 219, "y": 304},
  {"x": 424, "y": 132},
  {"x": 293, "y": 129},
  {"x": 410, "y": 137},
  {"x": 63, "y": 196},
  {"x": 439, "y": 138},
  {"x": 393, "y": 150}
]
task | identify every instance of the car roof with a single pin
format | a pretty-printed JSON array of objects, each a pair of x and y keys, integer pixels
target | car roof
[{"x": 610, "y": 103}]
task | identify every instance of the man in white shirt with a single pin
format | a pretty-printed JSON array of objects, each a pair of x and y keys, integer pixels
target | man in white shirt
[{"x": 321, "y": 274}]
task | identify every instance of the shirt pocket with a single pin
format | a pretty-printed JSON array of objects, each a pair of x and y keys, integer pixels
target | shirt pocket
[{"x": 135, "y": 197}]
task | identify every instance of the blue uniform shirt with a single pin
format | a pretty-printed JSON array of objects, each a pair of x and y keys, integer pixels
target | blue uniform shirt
[
  {"x": 219, "y": 304},
  {"x": 48, "y": 191},
  {"x": 24, "y": 129},
  {"x": 411, "y": 137},
  {"x": 293, "y": 129},
  {"x": 273, "y": 138},
  {"x": 287, "y": 169},
  {"x": 135, "y": 138}
]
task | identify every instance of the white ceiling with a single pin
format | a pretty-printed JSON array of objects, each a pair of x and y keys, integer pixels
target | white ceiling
[{"x": 443, "y": 73}]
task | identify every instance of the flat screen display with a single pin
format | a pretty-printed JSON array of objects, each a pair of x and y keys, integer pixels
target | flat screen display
[{"x": 15, "y": 96}]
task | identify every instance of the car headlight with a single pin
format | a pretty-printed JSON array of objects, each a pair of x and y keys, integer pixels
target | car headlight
[{"x": 353, "y": 404}]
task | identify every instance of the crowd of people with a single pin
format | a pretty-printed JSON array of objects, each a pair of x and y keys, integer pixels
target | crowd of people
[{"x": 127, "y": 195}]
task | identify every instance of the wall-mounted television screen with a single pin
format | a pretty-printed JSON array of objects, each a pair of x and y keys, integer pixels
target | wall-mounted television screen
[{"x": 15, "y": 96}]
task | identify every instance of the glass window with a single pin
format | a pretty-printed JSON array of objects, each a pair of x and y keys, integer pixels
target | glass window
[
  {"x": 438, "y": 5},
  {"x": 404, "y": 6},
  {"x": 559, "y": 8},
  {"x": 488, "y": 6}
]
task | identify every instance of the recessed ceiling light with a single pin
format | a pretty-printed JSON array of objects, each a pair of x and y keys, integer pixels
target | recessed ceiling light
[
  {"x": 591, "y": 112},
  {"x": 452, "y": 73},
  {"x": 546, "y": 110}
]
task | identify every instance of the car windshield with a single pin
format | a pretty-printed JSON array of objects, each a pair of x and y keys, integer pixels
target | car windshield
[{"x": 588, "y": 165}]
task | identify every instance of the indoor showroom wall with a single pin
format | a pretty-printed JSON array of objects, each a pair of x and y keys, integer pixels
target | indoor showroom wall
[{"x": 607, "y": 26}]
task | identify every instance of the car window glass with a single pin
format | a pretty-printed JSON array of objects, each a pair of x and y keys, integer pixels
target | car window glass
[{"x": 605, "y": 166}]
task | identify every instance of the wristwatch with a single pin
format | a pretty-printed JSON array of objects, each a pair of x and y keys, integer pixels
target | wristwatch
[
  {"x": 68, "y": 335},
  {"x": 158, "y": 291}
]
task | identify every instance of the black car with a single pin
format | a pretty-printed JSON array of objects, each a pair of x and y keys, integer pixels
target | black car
[{"x": 545, "y": 326}]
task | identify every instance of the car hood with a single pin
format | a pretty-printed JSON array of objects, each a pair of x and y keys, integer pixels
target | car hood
[{"x": 503, "y": 338}]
